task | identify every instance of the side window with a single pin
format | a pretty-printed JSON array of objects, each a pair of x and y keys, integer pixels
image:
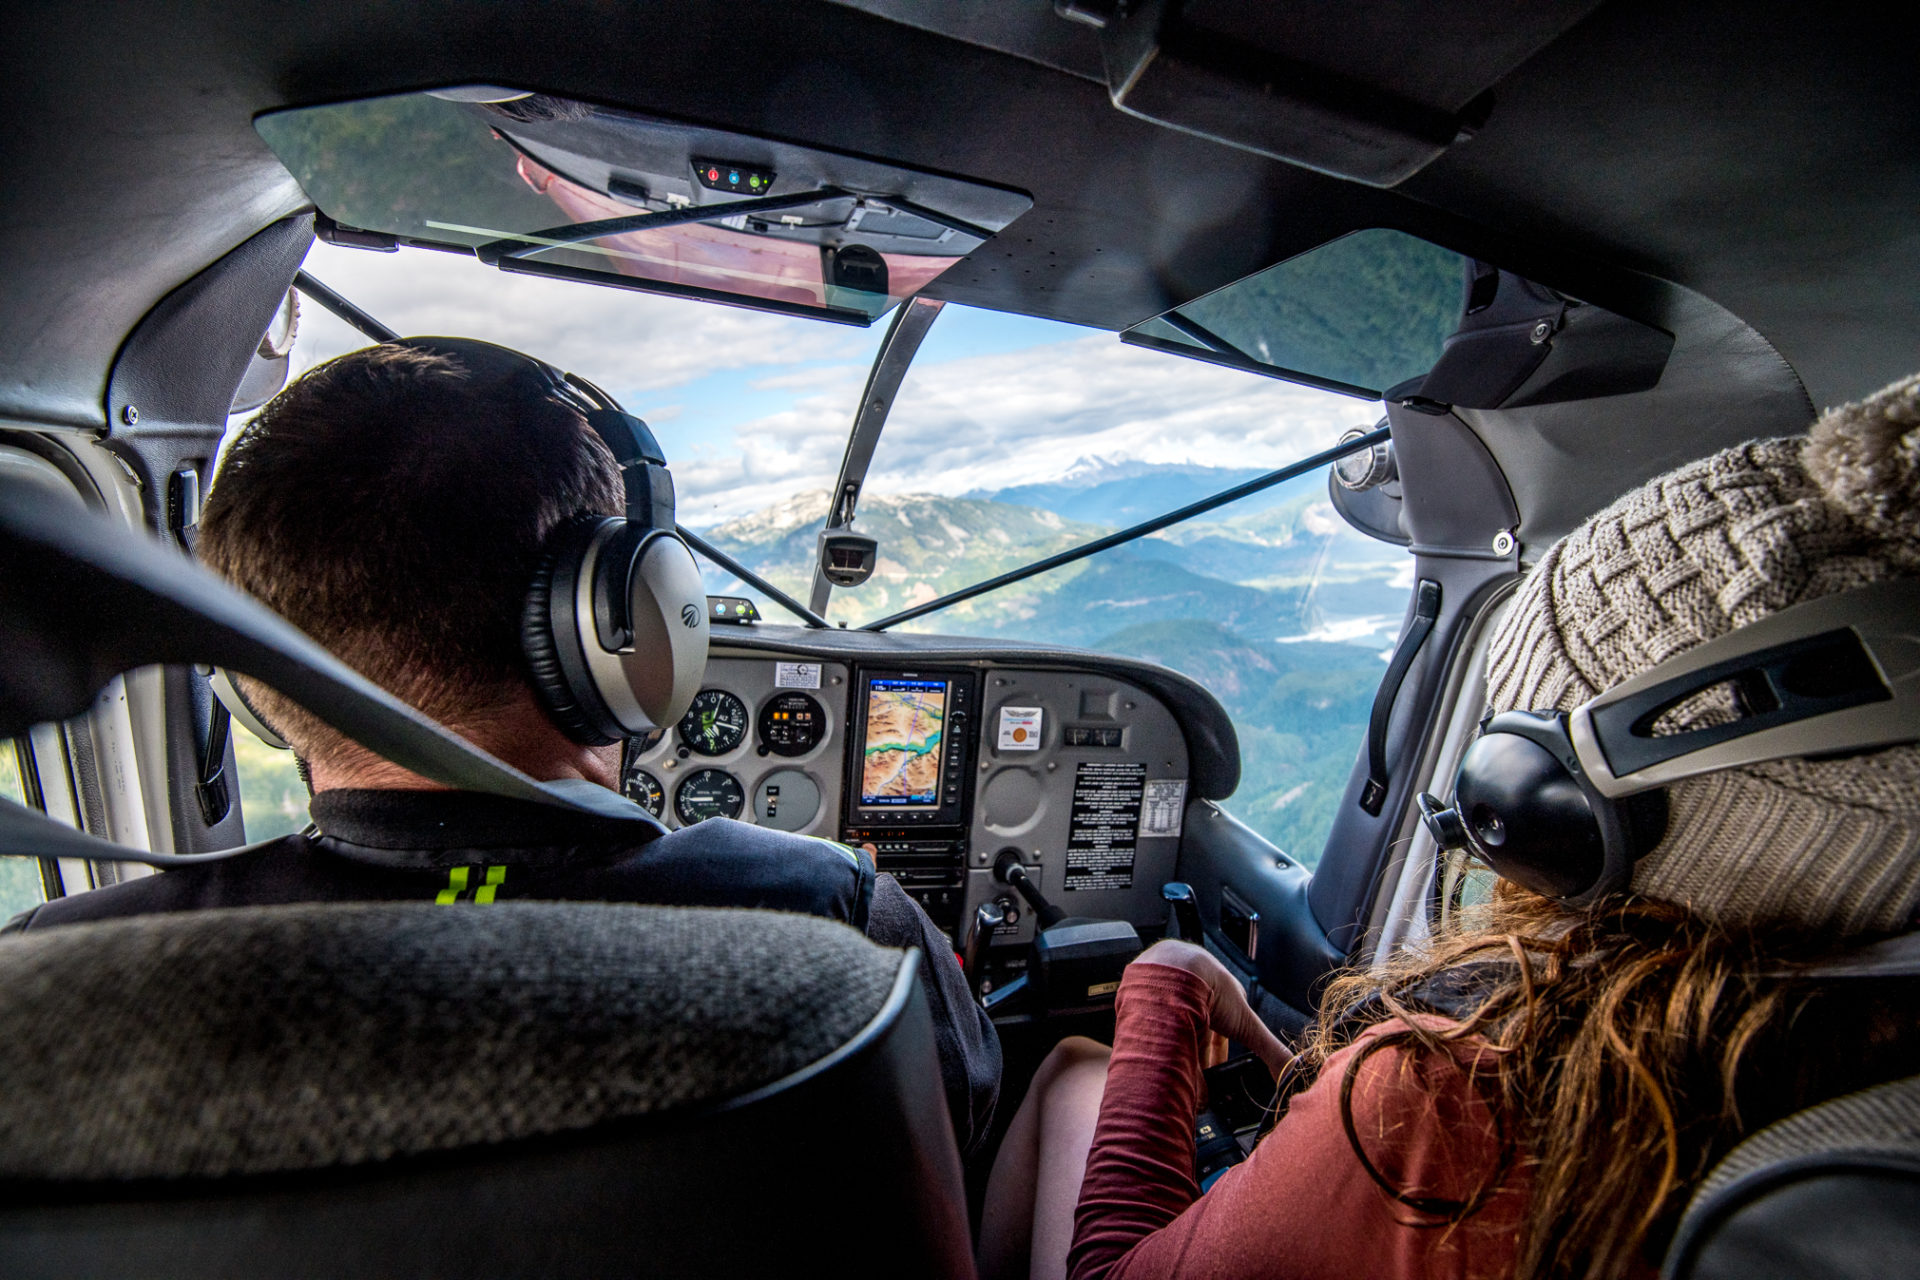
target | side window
[
  {"x": 20, "y": 883},
  {"x": 1466, "y": 886},
  {"x": 273, "y": 798}
]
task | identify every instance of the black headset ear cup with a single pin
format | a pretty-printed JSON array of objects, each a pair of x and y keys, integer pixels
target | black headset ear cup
[{"x": 546, "y": 669}]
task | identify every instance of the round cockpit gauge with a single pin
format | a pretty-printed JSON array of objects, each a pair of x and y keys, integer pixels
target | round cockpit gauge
[
  {"x": 786, "y": 800},
  {"x": 644, "y": 790},
  {"x": 715, "y": 724},
  {"x": 709, "y": 793},
  {"x": 792, "y": 724}
]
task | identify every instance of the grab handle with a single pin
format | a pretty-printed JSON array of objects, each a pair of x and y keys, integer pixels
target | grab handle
[{"x": 1426, "y": 611}]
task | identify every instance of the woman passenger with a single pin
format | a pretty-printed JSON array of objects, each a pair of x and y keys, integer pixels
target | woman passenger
[{"x": 1538, "y": 1096}]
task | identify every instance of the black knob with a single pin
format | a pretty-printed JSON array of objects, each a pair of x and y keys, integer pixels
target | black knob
[
  {"x": 1186, "y": 910},
  {"x": 1008, "y": 869},
  {"x": 1442, "y": 823}
]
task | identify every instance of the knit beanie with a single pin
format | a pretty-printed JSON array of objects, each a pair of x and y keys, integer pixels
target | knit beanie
[{"x": 1828, "y": 845}]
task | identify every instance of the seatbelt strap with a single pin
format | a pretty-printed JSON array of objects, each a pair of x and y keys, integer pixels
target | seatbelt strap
[
  {"x": 96, "y": 600},
  {"x": 215, "y": 796},
  {"x": 1895, "y": 957}
]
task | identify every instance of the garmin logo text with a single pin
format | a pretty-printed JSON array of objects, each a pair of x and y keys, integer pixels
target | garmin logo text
[{"x": 690, "y": 615}]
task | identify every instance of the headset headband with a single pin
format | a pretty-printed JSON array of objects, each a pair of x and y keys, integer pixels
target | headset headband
[
  {"x": 1830, "y": 676},
  {"x": 1565, "y": 803}
]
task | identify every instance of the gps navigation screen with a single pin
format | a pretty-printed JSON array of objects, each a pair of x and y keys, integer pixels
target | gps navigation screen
[{"x": 900, "y": 764}]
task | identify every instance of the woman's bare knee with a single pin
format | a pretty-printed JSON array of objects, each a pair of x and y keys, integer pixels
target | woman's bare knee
[{"x": 1071, "y": 1054}]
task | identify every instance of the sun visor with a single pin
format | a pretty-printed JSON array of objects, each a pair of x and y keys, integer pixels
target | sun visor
[{"x": 553, "y": 186}]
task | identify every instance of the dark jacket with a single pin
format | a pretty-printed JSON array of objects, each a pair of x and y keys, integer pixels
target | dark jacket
[{"x": 448, "y": 846}]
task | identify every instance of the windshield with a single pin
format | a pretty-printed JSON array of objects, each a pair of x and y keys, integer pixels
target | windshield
[
  {"x": 751, "y": 408},
  {"x": 1011, "y": 438}
]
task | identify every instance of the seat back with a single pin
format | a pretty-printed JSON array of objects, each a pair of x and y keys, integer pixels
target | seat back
[
  {"x": 1832, "y": 1191},
  {"x": 518, "y": 1089}
]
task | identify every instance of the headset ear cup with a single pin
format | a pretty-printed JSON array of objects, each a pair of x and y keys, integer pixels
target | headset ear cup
[
  {"x": 668, "y": 612},
  {"x": 570, "y": 709},
  {"x": 227, "y": 690}
]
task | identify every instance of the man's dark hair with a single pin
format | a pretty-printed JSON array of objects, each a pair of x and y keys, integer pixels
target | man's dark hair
[{"x": 392, "y": 504}]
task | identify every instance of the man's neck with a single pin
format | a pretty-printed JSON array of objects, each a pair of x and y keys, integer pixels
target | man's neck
[{"x": 518, "y": 734}]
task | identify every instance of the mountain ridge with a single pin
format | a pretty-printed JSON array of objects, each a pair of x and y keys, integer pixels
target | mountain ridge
[{"x": 1212, "y": 598}]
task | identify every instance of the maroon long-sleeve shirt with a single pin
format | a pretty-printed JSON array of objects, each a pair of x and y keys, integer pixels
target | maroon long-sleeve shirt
[{"x": 1302, "y": 1204}]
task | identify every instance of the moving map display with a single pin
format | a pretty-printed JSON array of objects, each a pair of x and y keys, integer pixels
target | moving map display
[{"x": 900, "y": 757}]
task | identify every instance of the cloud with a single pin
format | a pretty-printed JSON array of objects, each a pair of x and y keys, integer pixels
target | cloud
[
  {"x": 995, "y": 420},
  {"x": 837, "y": 377},
  {"x": 986, "y": 422},
  {"x": 627, "y": 342},
  {"x": 974, "y": 422},
  {"x": 776, "y": 455}
]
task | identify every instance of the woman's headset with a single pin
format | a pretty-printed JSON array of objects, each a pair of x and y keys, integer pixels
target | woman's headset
[
  {"x": 614, "y": 626},
  {"x": 1564, "y": 803}
]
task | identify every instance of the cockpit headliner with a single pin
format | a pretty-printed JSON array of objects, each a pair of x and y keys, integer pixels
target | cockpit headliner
[{"x": 1648, "y": 158}]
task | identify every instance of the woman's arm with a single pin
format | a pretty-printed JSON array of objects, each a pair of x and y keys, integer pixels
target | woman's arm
[
  {"x": 1173, "y": 1000},
  {"x": 1140, "y": 1171},
  {"x": 1302, "y": 1204}
]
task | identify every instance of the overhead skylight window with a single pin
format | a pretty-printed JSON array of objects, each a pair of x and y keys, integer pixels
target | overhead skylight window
[{"x": 1360, "y": 314}]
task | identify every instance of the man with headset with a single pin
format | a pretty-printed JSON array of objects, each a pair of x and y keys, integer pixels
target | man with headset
[{"x": 431, "y": 511}]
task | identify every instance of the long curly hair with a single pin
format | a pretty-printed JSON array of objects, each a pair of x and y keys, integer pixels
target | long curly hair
[{"x": 1632, "y": 1044}]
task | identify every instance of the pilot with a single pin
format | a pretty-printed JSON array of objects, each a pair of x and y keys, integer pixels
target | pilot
[
  {"x": 1540, "y": 1093},
  {"x": 394, "y": 504}
]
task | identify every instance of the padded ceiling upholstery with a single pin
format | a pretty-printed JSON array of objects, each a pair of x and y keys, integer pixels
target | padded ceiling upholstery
[{"x": 1765, "y": 155}]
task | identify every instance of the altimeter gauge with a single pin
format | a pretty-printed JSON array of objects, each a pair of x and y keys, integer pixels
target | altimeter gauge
[{"x": 715, "y": 724}]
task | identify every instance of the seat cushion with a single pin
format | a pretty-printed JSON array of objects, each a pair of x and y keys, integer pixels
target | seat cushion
[
  {"x": 1830, "y": 1191},
  {"x": 212, "y": 1043}
]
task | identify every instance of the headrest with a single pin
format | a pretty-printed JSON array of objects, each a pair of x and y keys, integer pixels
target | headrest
[
  {"x": 1864, "y": 1148},
  {"x": 263, "y": 1039}
]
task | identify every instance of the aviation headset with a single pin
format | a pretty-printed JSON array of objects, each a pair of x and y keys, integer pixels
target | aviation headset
[
  {"x": 1564, "y": 803},
  {"x": 614, "y": 626}
]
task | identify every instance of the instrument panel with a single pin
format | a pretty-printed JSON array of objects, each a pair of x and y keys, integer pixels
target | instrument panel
[
  {"x": 941, "y": 768},
  {"x": 762, "y": 742}
]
